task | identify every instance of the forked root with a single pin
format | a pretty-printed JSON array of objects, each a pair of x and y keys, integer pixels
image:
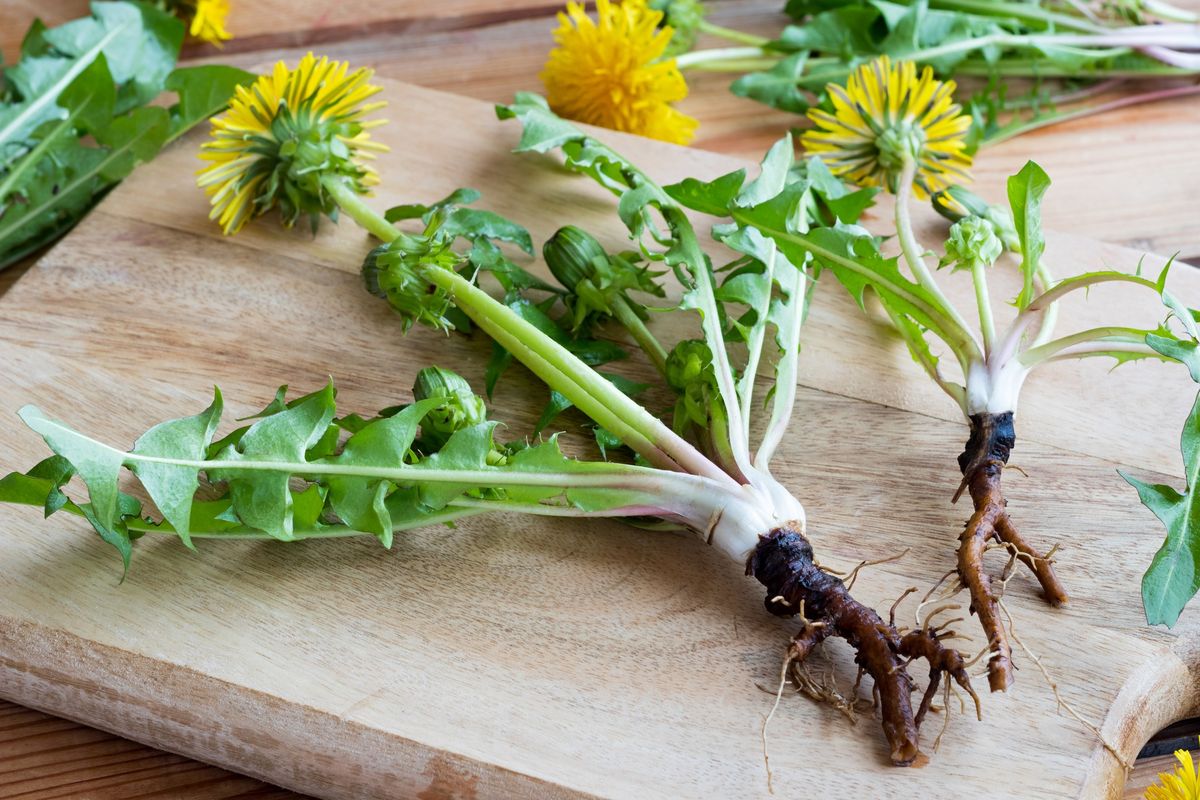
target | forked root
[
  {"x": 783, "y": 562},
  {"x": 982, "y": 463}
]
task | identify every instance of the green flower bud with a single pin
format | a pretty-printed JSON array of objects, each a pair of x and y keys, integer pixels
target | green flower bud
[
  {"x": 463, "y": 408},
  {"x": 973, "y": 240},
  {"x": 571, "y": 254},
  {"x": 396, "y": 271},
  {"x": 684, "y": 18},
  {"x": 957, "y": 203},
  {"x": 594, "y": 279}
]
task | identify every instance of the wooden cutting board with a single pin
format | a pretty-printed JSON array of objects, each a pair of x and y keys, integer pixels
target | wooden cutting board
[{"x": 516, "y": 657}]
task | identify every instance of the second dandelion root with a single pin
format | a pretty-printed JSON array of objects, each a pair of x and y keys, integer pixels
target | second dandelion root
[{"x": 982, "y": 464}]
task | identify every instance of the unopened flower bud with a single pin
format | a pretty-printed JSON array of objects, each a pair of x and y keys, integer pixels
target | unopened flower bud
[
  {"x": 462, "y": 409},
  {"x": 973, "y": 240},
  {"x": 956, "y": 203},
  {"x": 572, "y": 254}
]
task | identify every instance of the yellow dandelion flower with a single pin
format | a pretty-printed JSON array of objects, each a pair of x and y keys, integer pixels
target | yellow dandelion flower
[
  {"x": 284, "y": 137},
  {"x": 611, "y": 72},
  {"x": 886, "y": 117},
  {"x": 1182, "y": 784},
  {"x": 208, "y": 21}
]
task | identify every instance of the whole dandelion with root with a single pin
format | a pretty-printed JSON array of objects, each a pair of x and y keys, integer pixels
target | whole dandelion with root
[
  {"x": 894, "y": 129},
  {"x": 614, "y": 71},
  {"x": 293, "y": 141}
]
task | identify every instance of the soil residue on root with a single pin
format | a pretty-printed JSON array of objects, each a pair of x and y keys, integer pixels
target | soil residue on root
[{"x": 797, "y": 586}]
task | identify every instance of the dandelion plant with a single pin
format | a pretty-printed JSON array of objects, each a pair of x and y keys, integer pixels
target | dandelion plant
[
  {"x": 893, "y": 129},
  {"x": 300, "y": 470}
]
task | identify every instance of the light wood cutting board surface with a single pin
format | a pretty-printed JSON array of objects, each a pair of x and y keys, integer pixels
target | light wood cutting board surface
[{"x": 518, "y": 657}]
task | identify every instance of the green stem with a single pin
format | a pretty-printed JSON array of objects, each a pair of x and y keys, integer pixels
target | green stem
[
  {"x": 986, "y": 324},
  {"x": 1121, "y": 335},
  {"x": 330, "y": 532},
  {"x": 1050, "y": 297},
  {"x": 561, "y": 370},
  {"x": 708, "y": 57},
  {"x": 744, "y": 65},
  {"x": 641, "y": 334},
  {"x": 732, "y": 35},
  {"x": 1013, "y": 130},
  {"x": 1025, "y": 12},
  {"x": 798, "y": 287},
  {"x": 1169, "y": 13},
  {"x": 1067, "y": 285},
  {"x": 718, "y": 436},
  {"x": 1100, "y": 349},
  {"x": 754, "y": 344},
  {"x": 356, "y": 208},
  {"x": 912, "y": 252},
  {"x": 939, "y": 324},
  {"x": 1039, "y": 68},
  {"x": 1050, "y": 316}
]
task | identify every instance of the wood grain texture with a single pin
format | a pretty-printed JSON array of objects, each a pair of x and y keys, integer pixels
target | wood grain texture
[
  {"x": 47, "y": 757},
  {"x": 517, "y": 657}
]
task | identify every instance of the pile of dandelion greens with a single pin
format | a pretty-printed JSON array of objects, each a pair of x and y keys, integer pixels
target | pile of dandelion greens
[
  {"x": 76, "y": 115},
  {"x": 298, "y": 141},
  {"x": 1028, "y": 64}
]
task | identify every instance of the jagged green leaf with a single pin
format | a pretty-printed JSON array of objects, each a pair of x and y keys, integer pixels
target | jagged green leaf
[
  {"x": 459, "y": 197},
  {"x": 362, "y": 501},
  {"x": 714, "y": 197},
  {"x": 171, "y": 485},
  {"x": 202, "y": 91},
  {"x": 474, "y": 224},
  {"x": 1025, "y": 192},
  {"x": 779, "y": 86},
  {"x": 1173, "y": 577},
  {"x": 99, "y": 466},
  {"x": 263, "y": 500}
]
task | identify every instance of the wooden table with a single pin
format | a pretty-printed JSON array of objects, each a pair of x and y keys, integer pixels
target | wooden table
[{"x": 489, "y": 49}]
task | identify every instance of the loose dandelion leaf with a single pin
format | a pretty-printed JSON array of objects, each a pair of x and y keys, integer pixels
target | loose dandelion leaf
[{"x": 1174, "y": 574}]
